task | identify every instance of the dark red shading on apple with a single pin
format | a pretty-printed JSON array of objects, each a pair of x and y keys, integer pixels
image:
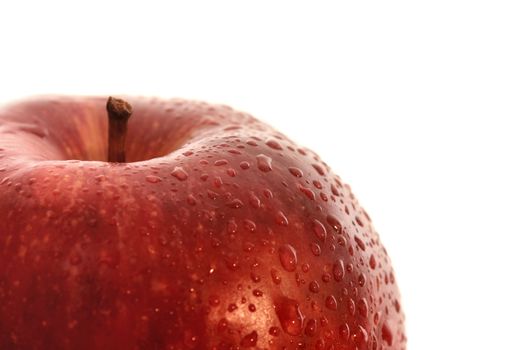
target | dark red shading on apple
[{"x": 220, "y": 233}]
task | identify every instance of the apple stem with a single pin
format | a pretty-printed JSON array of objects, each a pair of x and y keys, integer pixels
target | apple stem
[{"x": 119, "y": 112}]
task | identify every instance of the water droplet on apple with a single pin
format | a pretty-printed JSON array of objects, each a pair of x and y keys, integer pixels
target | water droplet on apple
[
  {"x": 351, "y": 306},
  {"x": 315, "y": 248},
  {"x": 386, "y": 333},
  {"x": 275, "y": 276},
  {"x": 319, "y": 230},
  {"x": 249, "y": 225},
  {"x": 264, "y": 163},
  {"x": 344, "y": 331},
  {"x": 220, "y": 162},
  {"x": 153, "y": 179},
  {"x": 334, "y": 223},
  {"x": 179, "y": 173},
  {"x": 314, "y": 287},
  {"x": 295, "y": 172},
  {"x": 372, "y": 262},
  {"x": 244, "y": 165},
  {"x": 339, "y": 270},
  {"x": 191, "y": 200},
  {"x": 257, "y": 293},
  {"x": 274, "y": 331},
  {"x": 311, "y": 327},
  {"x": 214, "y": 300},
  {"x": 250, "y": 340},
  {"x": 361, "y": 280},
  {"x": 235, "y": 204},
  {"x": 360, "y": 243},
  {"x": 222, "y": 326},
  {"x": 335, "y": 191},
  {"x": 362, "y": 307},
  {"x": 273, "y": 144},
  {"x": 306, "y": 191},
  {"x": 331, "y": 303},
  {"x": 360, "y": 338},
  {"x": 267, "y": 193},
  {"x": 252, "y": 308},
  {"x": 290, "y": 316},
  {"x": 255, "y": 202},
  {"x": 288, "y": 257},
  {"x": 319, "y": 169},
  {"x": 231, "y": 172},
  {"x": 281, "y": 219}
]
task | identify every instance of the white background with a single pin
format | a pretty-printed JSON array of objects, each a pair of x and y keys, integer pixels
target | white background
[{"x": 417, "y": 104}]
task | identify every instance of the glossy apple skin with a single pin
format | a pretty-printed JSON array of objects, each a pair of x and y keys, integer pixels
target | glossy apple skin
[{"x": 220, "y": 233}]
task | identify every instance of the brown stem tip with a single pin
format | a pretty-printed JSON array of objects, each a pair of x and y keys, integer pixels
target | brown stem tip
[{"x": 119, "y": 112}]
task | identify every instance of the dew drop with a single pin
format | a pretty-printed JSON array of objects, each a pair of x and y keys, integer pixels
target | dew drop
[
  {"x": 244, "y": 165},
  {"x": 315, "y": 248},
  {"x": 386, "y": 333},
  {"x": 319, "y": 230},
  {"x": 179, "y": 173},
  {"x": 360, "y": 337},
  {"x": 235, "y": 204},
  {"x": 255, "y": 202},
  {"x": 361, "y": 280},
  {"x": 372, "y": 262},
  {"x": 339, "y": 270},
  {"x": 214, "y": 300},
  {"x": 288, "y": 257},
  {"x": 264, "y": 163},
  {"x": 344, "y": 331},
  {"x": 319, "y": 169},
  {"x": 295, "y": 172},
  {"x": 153, "y": 179},
  {"x": 250, "y": 340},
  {"x": 220, "y": 162},
  {"x": 311, "y": 327},
  {"x": 231, "y": 172},
  {"x": 191, "y": 200},
  {"x": 290, "y": 316},
  {"x": 273, "y": 144},
  {"x": 334, "y": 223},
  {"x": 360, "y": 243},
  {"x": 314, "y": 287},
  {"x": 351, "y": 306},
  {"x": 275, "y": 276},
  {"x": 249, "y": 225},
  {"x": 281, "y": 219},
  {"x": 362, "y": 307},
  {"x": 306, "y": 191},
  {"x": 257, "y": 293},
  {"x": 331, "y": 303},
  {"x": 274, "y": 331}
]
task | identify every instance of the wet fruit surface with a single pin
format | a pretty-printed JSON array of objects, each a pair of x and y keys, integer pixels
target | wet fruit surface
[{"x": 232, "y": 237}]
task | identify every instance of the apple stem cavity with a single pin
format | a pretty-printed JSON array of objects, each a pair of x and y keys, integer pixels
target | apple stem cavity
[{"x": 119, "y": 112}]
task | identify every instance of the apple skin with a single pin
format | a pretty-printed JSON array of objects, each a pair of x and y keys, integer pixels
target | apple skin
[{"x": 220, "y": 233}]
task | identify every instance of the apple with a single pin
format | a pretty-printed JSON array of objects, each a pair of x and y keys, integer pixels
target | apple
[{"x": 206, "y": 229}]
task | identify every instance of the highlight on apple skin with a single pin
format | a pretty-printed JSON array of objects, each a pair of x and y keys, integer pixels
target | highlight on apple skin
[{"x": 217, "y": 232}]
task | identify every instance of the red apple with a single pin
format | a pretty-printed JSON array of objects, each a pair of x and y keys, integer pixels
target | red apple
[{"x": 219, "y": 233}]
